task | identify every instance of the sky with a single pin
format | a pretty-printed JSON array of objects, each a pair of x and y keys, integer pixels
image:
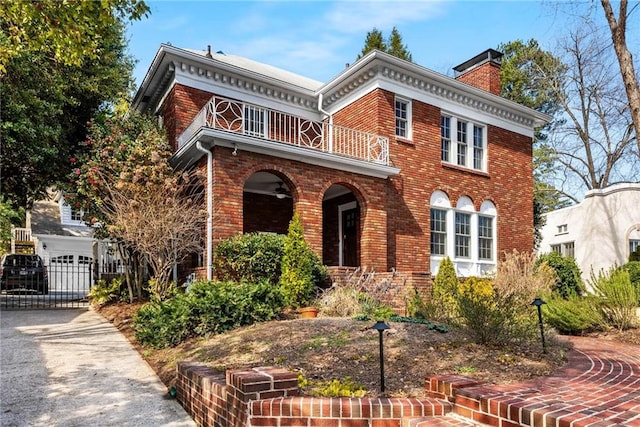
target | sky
[{"x": 317, "y": 38}]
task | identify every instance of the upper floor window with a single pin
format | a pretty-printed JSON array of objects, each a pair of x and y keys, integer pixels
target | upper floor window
[
  {"x": 255, "y": 121},
  {"x": 459, "y": 152},
  {"x": 76, "y": 215},
  {"x": 562, "y": 229},
  {"x": 403, "y": 118},
  {"x": 445, "y": 139}
]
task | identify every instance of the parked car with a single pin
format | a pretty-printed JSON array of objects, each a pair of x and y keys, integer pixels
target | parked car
[{"x": 23, "y": 272}]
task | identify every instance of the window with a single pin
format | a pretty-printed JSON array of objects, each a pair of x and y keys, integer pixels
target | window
[
  {"x": 569, "y": 249},
  {"x": 485, "y": 237},
  {"x": 634, "y": 245},
  {"x": 445, "y": 138},
  {"x": 76, "y": 215},
  {"x": 438, "y": 232},
  {"x": 562, "y": 229},
  {"x": 461, "y": 148},
  {"x": 255, "y": 121},
  {"x": 557, "y": 249},
  {"x": 84, "y": 259},
  {"x": 478, "y": 148},
  {"x": 463, "y": 235},
  {"x": 459, "y": 152},
  {"x": 403, "y": 118}
]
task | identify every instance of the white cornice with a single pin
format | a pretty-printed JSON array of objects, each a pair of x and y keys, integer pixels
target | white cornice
[{"x": 419, "y": 82}]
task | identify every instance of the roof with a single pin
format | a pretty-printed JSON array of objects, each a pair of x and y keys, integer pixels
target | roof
[
  {"x": 261, "y": 68},
  {"x": 45, "y": 220}
]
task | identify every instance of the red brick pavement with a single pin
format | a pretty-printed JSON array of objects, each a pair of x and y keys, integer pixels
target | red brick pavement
[{"x": 599, "y": 386}]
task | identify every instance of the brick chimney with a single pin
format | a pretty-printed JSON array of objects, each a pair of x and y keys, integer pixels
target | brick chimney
[{"x": 482, "y": 71}]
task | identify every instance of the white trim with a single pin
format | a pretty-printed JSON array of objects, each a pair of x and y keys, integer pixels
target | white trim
[{"x": 342, "y": 208}]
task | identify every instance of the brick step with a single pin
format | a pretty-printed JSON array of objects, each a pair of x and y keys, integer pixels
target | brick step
[{"x": 449, "y": 420}]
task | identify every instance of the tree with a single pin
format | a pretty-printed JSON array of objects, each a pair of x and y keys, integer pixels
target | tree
[
  {"x": 396, "y": 48},
  {"x": 8, "y": 217},
  {"x": 46, "y": 102},
  {"x": 70, "y": 32},
  {"x": 618, "y": 27},
  {"x": 129, "y": 192},
  {"x": 594, "y": 147},
  {"x": 393, "y": 46}
]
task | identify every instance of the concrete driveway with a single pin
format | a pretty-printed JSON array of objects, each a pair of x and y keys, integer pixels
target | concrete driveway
[{"x": 73, "y": 368}]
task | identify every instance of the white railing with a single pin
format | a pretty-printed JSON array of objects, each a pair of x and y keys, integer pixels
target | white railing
[{"x": 264, "y": 123}]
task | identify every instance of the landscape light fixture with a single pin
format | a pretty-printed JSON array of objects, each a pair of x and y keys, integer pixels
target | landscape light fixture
[
  {"x": 380, "y": 326},
  {"x": 538, "y": 302}
]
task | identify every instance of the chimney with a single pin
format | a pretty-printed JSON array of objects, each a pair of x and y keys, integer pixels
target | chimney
[{"x": 481, "y": 71}]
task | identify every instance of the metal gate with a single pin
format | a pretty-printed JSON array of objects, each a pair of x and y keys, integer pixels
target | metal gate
[{"x": 65, "y": 283}]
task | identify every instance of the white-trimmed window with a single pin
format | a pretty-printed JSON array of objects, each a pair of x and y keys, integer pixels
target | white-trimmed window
[
  {"x": 633, "y": 245},
  {"x": 255, "y": 121},
  {"x": 445, "y": 138},
  {"x": 403, "y": 118},
  {"x": 463, "y": 234},
  {"x": 567, "y": 249},
  {"x": 438, "y": 231},
  {"x": 469, "y": 147},
  {"x": 76, "y": 215},
  {"x": 562, "y": 229}
]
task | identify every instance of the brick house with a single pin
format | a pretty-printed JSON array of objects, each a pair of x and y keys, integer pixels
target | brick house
[{"x": 391, "y": 166}]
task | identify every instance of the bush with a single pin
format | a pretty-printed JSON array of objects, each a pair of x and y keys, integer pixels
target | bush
[
  {"x": 102, "y": 293},
  {"x": 633, "y": 268},
  {"x": 417, "y": 307},
  {"x": 517, "y": 273},
  {"x": 443, "y": 300},
  {"x": 221, "y": 306},
  {"x": 574, "y": 315},
  {"x": 569, "y": 276},
  {"x": 296, "y": 280},
  {"x": 477, "y": 308},
  {"x": 208, "y": 308},
  {"x": 251, "y": 257},
  {"x": 164, "y": 323},
  {"x": 618, "y": 299}
]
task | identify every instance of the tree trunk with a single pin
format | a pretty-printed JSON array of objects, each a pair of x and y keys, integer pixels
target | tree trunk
[{"x": 625, "y": 60}]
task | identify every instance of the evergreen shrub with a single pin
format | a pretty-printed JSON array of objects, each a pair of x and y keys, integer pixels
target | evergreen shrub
[
  {"x": 250, "y": 257},
  {"x": 633, "y": 268},
  {"x": 296, "y": 279},
  {"x": 574, "y": 315},
  {"x": 443, "y": 303},
  {"x": 569, "y": 281},
  {"x": 618, "y": 299}
]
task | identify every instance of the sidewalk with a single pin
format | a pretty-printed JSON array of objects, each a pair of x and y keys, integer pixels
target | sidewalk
[{"x": 73, "y": 368}]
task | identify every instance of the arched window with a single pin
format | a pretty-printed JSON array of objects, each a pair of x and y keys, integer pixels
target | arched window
[{"x": 464, "y": 209}]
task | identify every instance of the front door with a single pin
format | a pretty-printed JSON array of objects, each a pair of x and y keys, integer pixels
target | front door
[{"x": 350, "y": 219}]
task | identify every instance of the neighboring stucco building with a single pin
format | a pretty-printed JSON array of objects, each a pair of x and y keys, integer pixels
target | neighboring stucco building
[
  {"x": 391, "y": 166},
  {"x": 599, "y": 232}
]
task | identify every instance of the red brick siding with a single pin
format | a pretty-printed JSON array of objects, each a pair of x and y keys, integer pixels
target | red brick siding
[
  {"x": 485, "y": 77},
  {"x": 263, "y": 212},
  {"x": 179, "y": 109}
]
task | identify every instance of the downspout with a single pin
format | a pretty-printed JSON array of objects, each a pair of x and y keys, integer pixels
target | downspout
[
  {"x": 330, "y": 141},
  {"x": 209, "y": 207}
]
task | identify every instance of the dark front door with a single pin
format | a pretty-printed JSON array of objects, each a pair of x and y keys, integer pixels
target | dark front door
[{"x": 350, "y": 219}]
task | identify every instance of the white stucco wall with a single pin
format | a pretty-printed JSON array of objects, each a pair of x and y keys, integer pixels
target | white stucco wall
[{"x": 600, "y": 227}]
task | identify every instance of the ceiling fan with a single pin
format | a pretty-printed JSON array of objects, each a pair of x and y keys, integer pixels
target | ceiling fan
[{"x": 281, "y": 192}]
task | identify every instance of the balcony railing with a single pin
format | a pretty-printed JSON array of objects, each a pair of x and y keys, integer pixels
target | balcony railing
[{"x": 255, "y": 121}]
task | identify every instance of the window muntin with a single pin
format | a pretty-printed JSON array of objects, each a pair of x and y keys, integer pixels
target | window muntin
[
  {"x": 403, "y": 118},
  {"x": 485, "y": 237},
  {"x": 460, "y": 152},
  {"x": 463, "y": 235},
  {"x": 438, "y": 232},
  {"x": 445, "y": 138}
]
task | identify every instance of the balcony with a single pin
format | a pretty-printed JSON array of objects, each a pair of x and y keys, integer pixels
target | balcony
[
  {"x": 264, "y": 124},
  {"x": 22, "y": 241}
]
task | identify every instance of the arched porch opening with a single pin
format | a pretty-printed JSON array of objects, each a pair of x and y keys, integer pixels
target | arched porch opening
[
  {"x": 267, "y": 203},
  {"x": 341, "y": 227}
]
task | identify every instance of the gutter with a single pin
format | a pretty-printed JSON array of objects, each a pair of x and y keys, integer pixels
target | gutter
[
  {"x": 330, "y": 122},
  {"x": 209, "y": 154}
]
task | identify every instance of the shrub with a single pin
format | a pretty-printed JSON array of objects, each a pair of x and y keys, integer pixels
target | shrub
[
  {"x": 417, "y": 307},
  {"x": 363, "y": 294},
  {"x": 635, "y": 255},
  {"x": 618, "y": 299},
  {"x": 574, "y": 315},
  {"x": 477, "y": 308},
  {"x": 344, "y": 387},
  {"x": 162, "y": 324},
  {"x": 633, "y": 268},
  {"x": 517, "y": 273},
  {"x": 569, "y": 277},
  {"x": 251, "y": 257},
  {"x": 102, "y": 293},
  {"x": 220, "y": 306},
  {"x": 444, "y": 294},
  {"x": 296, "y": 280}
]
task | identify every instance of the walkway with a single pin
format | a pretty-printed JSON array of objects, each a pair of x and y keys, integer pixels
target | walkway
[
  {"x": 73, "y": 368},
  {"x": 600, "y": 386}
]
